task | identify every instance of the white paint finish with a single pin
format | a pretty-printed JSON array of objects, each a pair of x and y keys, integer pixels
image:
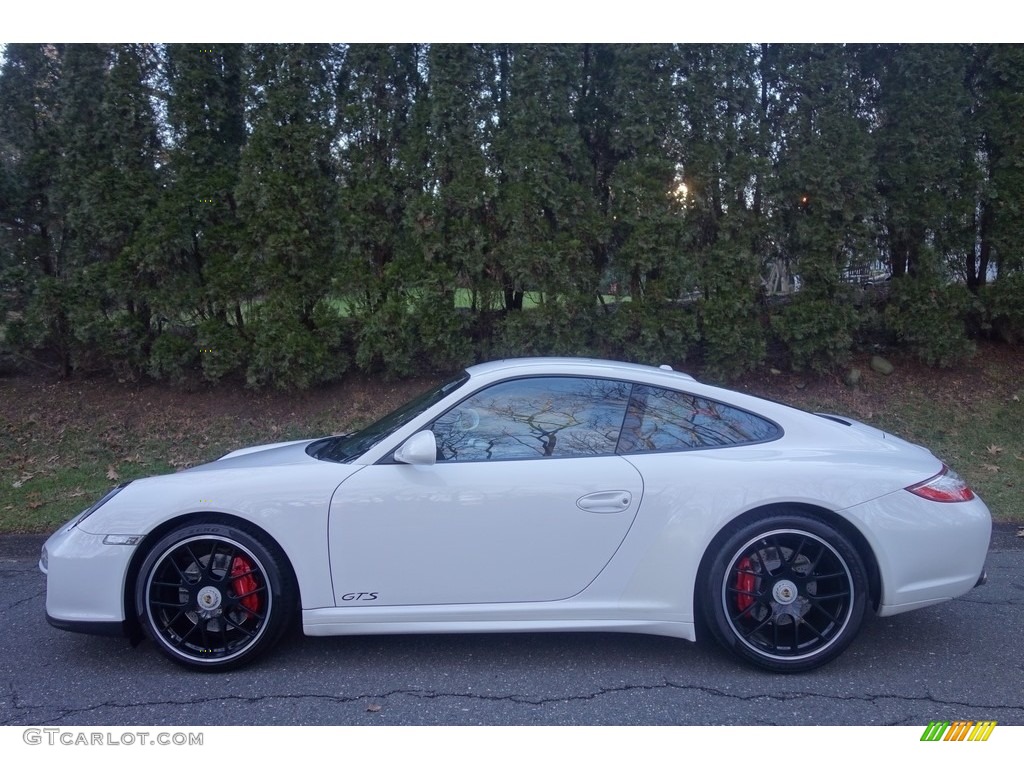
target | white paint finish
[
  {"x": 477, "y": 532},
  {"x": 85, "y": 577},
  {"x": 290, "y": 503},
  {"x": 927, "y": 551},
  {"x": 325, "y": 622},
  {"x": 508, "y": 546}
]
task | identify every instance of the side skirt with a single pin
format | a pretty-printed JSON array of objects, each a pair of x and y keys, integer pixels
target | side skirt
[{"x": 323, "y": 622}]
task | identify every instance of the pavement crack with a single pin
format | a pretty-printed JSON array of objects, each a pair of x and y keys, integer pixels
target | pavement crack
[
  {"x": 1007, "y": 601},
  {"x": 16, "y": 705},
  {"x": 786, "y": 696},
  {"x": 62, "y": 713},
  {"x": 30, "y": 598}
]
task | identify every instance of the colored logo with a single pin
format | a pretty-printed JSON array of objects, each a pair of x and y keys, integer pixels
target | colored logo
[{"x": 958, "y": 730}]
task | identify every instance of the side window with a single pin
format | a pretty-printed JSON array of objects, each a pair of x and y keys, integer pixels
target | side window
[
  {"x": 665, "y": 420},
  {"x": 536, "y": 418}
]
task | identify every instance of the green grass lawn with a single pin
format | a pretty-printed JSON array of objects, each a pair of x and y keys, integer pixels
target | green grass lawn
[
  {"x": 971, "y": 417},
  {"x": 982, "y": 441}
]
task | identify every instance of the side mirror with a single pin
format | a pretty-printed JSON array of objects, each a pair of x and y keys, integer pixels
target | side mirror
[{"x": 421, "y": 449}]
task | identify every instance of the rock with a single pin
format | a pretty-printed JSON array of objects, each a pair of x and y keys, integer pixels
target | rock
[
  {"x": 852, "y": 377},
  {"x": 880, "y": 364}
]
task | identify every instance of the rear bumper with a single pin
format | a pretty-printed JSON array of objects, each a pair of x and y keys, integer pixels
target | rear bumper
[{"x": 927, "y": 552}]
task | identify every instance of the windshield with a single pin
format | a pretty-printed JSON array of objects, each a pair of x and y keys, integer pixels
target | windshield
[{"x": 347, "y": 447}]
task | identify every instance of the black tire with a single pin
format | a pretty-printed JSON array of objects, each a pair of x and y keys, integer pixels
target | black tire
[
  {"x": 786, "y": 593},
  {"x": 214, "y": 597}
]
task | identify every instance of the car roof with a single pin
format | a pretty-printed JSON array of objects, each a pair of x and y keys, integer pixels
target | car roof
[{"x": 573, "y": 365}]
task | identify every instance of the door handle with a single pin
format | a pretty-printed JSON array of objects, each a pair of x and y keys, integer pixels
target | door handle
[{"x": 605, "y": 502}]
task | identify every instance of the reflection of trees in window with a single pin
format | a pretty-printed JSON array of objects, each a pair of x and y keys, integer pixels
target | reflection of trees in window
[
  {"x": 664, "y": 420},
  {"x": 535, "y": 418}
]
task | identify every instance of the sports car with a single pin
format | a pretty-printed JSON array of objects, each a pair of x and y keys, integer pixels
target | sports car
[{"x": 533, "y": 495}]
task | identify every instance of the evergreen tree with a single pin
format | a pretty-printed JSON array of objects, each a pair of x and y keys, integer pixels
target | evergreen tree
[
  {"x": 88, "y": 179},
  {"x": 922, "y": 106},
  {"x": 287, "y": 205},
  {"x": 272, "y": 209},
  {"x": 551, "y": 227},
  {"x": 109, "y": 184},
  {"x": 412, "y": 159},
  {"x": 824, "y": 199},
  {"x": 378, "y": 91},
  {"x": 382, "y": 165},
  {"x": 32, "y": 252},
  {"x": 723, "y": 161},
  {"x": 923, "y": 127},
  {"x": 996, "y": 73},
  {"x": 203, "y": 289},
  {"x": 646, "y": 257}
]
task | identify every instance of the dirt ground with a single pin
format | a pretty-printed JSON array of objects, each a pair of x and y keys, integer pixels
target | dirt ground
[
  {"x": 997, "y": 371},
  {"x": 51, "y": 406},
  {"x": 63, "y": 441}
]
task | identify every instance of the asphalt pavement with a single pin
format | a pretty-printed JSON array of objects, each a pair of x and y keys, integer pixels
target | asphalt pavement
[{"x": 961, "y": 660}]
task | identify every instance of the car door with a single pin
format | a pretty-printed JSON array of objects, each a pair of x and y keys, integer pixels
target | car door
[{"x": 527, "y": 502}]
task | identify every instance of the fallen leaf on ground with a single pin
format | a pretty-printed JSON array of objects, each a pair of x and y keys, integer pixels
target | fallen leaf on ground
[
  {"x": 995, "y": 450},
  {"x": 990, "y": 467},
  {"x": 112, "y": 474},
  {"x": 373, "y": 707}
]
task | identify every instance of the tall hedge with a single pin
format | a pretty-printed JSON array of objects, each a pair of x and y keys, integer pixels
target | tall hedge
[{"x": 277, "y": 215}]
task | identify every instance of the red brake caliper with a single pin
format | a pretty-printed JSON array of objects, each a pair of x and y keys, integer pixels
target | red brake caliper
[
  {"x": 244, "y": 583},
  {"x": 745, "y": 582}
]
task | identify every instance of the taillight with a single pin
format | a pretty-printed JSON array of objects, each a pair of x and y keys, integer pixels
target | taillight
[{"x": 945, "y": 486}]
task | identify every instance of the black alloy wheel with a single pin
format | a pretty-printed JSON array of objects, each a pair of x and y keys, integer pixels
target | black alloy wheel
[
  {"x": 788, "y": 594},
  {"x": 213, "y": 597}
]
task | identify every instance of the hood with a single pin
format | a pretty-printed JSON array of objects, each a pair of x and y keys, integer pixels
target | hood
[{"x": 269, "y": 455}]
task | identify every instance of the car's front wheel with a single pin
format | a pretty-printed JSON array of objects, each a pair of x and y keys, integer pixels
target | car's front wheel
[
  {"x": 214, "y": 597},
  {"x": 787, "y": 593}
]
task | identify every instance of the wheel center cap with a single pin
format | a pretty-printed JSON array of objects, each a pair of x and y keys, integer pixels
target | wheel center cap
[
  {"x": 784, "y": 592},
  {"x": 209, "y": 599}
]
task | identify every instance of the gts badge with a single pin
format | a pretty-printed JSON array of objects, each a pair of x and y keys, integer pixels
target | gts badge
[{"x": 349, "y": 597}]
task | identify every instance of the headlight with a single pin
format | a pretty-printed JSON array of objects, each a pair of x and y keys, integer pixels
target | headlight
[{"x": 107, "y": 497}]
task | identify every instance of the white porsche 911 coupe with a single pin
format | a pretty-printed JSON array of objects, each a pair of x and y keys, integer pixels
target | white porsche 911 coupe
[{"x": 533, "y": 495}]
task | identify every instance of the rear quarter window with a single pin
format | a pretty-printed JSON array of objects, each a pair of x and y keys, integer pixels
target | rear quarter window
[{"x": 666, "y": 420}]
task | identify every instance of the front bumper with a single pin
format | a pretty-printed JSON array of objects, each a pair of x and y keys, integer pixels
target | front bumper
[
  {"x": 107, "y": 628},
  {"x": 85, "y": 581}
]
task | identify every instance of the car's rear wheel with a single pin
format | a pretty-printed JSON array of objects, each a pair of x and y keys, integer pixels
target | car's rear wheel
[
  {"x": 787, "y": 593},
  {"x": 214, "y": 597}
]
